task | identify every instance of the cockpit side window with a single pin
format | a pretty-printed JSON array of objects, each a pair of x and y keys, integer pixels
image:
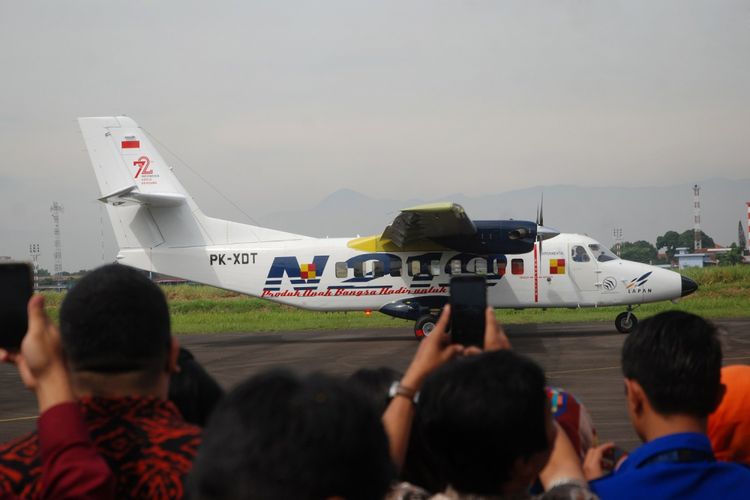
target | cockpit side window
[
  {"x": 602, "y": 254},
  {"x": 578, "y": 254}
]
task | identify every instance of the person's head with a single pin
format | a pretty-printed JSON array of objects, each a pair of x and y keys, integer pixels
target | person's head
[
  {"x": 279, "y": 436},
  {"x": 729, "y": 425},
  {"x": 672, "y": 366},
  {"x": 115, "y": 331},
  {"x": 485, "y": 423},
  {"x": 376, "y": 383},
  {"x": 193, "y": 390}
]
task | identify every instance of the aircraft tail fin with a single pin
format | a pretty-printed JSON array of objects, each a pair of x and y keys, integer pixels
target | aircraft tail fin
[{"x": 146, "y": 203}]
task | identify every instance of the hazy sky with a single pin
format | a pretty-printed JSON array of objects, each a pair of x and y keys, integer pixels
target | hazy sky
[{"x": 278, "y": 104}]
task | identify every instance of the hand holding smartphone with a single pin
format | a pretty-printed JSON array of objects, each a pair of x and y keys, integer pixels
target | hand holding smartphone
[
  {"x": 468, "y": 300},
  {"x": 16, "y": 285}
]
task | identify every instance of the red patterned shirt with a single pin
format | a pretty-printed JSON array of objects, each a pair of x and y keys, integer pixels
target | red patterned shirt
[{"x": 145, "y": 441}]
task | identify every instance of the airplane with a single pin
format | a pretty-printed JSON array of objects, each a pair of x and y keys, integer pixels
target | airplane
[{"x": 404, "y": 272}]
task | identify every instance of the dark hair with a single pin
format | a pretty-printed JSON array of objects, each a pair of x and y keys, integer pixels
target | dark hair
[
  {"x": 376, "y": 384},
  {"x": 676, "y": 357},
  {"x": 279, "y": 436},
  {"x": 115, "y": 320},
  {"x": 193, "y": 390},
  {"x": 477, "y": 416}
]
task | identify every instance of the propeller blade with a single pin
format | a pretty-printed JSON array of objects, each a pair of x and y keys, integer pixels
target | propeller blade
[{"x": 541, "y": 212}]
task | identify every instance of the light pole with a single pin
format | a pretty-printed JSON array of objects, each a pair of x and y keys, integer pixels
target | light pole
[
  {"x": 617, "y": 233},
  {"x": 35, "y": 253}
]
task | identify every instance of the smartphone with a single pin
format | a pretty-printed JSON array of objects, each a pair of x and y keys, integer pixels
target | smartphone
[
  {"x": 468, "y": 300},
  {"x": 16, "y": 286},
  {"x": 613, "y": 457}
]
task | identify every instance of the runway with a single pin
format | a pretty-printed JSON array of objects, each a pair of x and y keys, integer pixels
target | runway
[{"x": 583, "y": 358}]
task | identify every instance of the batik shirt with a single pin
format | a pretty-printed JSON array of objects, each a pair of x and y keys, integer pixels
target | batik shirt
[{"x": 146, "y": 443}]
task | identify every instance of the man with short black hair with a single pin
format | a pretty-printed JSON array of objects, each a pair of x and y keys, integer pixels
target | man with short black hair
[
  {"x": 119, "y": 351},
  {"x": 486, "y": 430},
  {"x": 280, "y": 436},
  {"x": 483, "y": 425},
  {"x": 487, "y": 422},
  {"x": 672, "y": 369}
]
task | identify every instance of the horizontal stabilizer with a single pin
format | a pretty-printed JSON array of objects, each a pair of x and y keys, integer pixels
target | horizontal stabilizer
[{"x": 131, "y": 196}]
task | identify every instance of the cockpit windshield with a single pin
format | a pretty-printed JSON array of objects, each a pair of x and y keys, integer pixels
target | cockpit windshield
[{"x": 602, "y": 254}]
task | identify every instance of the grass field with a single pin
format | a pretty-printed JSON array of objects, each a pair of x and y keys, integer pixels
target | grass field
[{"x": 724, "y": 293}]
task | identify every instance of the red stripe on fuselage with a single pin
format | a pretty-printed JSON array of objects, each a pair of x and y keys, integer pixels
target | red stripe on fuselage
[{"x": 536, "y": 276}]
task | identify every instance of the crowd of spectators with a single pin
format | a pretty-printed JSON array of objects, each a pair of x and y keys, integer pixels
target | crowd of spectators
[{"x": 126, "y": 413}]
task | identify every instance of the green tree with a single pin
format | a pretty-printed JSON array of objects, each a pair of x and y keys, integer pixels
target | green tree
[
  {"x": 670, "y": 240},
  {"x": 687, "y": 239},
  {"x": 640, "y": 251},
  {"x": 673, "y": 240},
  {"x": 732, "y": 257}
]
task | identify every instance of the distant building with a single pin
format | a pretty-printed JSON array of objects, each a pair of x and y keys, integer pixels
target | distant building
[
  {"x": 700, "y": 258},
  {"x": 685, "y": 259}
]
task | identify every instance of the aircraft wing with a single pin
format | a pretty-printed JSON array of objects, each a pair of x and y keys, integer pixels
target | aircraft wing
[{"x": 435, "y": 220}]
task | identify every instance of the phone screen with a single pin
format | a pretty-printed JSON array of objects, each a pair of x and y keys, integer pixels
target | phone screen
[
  {"x": 468, "y": 303},
  {"x": 15, "y": 292}
]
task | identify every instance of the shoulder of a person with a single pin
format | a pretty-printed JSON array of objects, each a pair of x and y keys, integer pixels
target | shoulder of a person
[{"x": 29, "y": 441}]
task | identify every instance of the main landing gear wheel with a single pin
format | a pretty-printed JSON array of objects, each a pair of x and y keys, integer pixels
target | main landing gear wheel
[
  {"x": 424, "y": 326},
  {"x": 626, "y": 322}
]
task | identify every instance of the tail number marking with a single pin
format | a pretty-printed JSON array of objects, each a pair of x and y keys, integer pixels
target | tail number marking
[{"x": 224, "y": 259}]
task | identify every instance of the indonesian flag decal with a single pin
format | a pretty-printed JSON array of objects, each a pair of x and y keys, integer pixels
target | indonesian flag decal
[{"x": 130, "y": 142}]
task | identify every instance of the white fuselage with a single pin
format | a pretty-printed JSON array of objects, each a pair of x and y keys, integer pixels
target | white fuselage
[{"x": 328, "y": 274}]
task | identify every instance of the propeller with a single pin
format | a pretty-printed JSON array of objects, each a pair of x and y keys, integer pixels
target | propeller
[{"x": 542, "y": 233}]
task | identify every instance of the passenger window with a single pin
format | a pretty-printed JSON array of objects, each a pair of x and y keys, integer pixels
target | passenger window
[
  {"x": 341, "y": 270},
  {"x": 498, "y": 267},
  {"x": 455, "y": 266},
  {"x": 416, "y": 268},
  {"x": 377, "y": 269},
  {"x": 477, "y": 265},
  {"x": 395, "y": 268},
  {"x": 578, "y": 254},
  {"x": 359, "y": 271},
  {"x": 516, "y": 266},
  {"x": 480, "y": 267},
  {"x": 435, "y": 267}
]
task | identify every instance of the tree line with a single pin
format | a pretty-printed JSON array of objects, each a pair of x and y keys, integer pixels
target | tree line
[{"x": 644, "y": 251}]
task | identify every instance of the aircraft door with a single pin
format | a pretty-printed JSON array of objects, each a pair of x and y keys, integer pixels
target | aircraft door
[{"x": 583, "y": 268}]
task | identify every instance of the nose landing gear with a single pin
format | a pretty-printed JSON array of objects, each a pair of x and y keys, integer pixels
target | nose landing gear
[{"x": 625, "y": 322}]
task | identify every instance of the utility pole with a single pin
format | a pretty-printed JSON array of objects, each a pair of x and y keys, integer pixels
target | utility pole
[{"x": 696, "y": 217}]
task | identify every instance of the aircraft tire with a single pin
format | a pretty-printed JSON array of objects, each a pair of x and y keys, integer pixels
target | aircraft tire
[
  {"x": 625, "y": 324},
  {"x": 424, "y": 326}
]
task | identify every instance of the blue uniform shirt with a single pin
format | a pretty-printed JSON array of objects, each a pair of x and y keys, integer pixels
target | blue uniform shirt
[{"x": 675, "y": 466}]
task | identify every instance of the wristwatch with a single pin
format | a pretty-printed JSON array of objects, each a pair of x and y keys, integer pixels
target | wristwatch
[{"x": 397, "y": 389}]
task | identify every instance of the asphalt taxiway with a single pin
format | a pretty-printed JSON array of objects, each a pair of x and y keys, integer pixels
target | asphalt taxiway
[{"x": 583, "y": 358}]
